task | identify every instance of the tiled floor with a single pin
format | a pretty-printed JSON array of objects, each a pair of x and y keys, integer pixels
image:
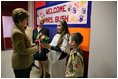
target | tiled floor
[{"x": 6, "y": 68}]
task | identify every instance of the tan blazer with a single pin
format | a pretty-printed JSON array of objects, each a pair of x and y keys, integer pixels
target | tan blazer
[{"x": 22, "y": 49}]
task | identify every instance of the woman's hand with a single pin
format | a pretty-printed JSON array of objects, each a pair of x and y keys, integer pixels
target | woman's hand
[{"x": 45, "y": 46}]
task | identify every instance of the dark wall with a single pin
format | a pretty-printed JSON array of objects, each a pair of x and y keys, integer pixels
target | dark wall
[{"x": 6, "y": 10}]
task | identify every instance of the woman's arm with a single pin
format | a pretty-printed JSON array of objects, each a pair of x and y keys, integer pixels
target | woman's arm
[{"x": 19, "y": 43}]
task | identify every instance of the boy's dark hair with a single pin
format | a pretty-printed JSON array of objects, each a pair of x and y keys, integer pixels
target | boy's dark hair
[
  {"x": 77, "y": 37},
  {"x": 19, "y": 14}
]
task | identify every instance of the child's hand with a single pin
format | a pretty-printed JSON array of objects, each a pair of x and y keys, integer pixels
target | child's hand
[
  {"x": 67, "y": 72},
  {"x": 69, "y": 75}
]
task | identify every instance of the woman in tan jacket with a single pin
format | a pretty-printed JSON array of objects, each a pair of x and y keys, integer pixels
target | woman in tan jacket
[{"x": 22, "y": 50}]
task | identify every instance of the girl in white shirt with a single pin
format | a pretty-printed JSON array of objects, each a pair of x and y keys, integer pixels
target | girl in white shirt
[{"x": 58, "y": 50}]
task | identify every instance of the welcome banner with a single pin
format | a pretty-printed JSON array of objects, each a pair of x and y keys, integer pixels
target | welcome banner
[{"x": 72, "y": 12}]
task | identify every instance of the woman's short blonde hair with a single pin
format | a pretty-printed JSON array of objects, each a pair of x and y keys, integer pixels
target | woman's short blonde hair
[
  {"x": 41, "y": 17},
  {"x": 19, "y": 14}
]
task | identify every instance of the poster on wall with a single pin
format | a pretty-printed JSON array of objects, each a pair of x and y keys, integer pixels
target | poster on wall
[
  {"x": 7, "y": 26},
  {"x": 75, "y": 13}
]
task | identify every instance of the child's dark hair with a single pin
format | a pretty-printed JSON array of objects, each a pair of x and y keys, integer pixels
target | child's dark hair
[{"x": 77, "y": 37}]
